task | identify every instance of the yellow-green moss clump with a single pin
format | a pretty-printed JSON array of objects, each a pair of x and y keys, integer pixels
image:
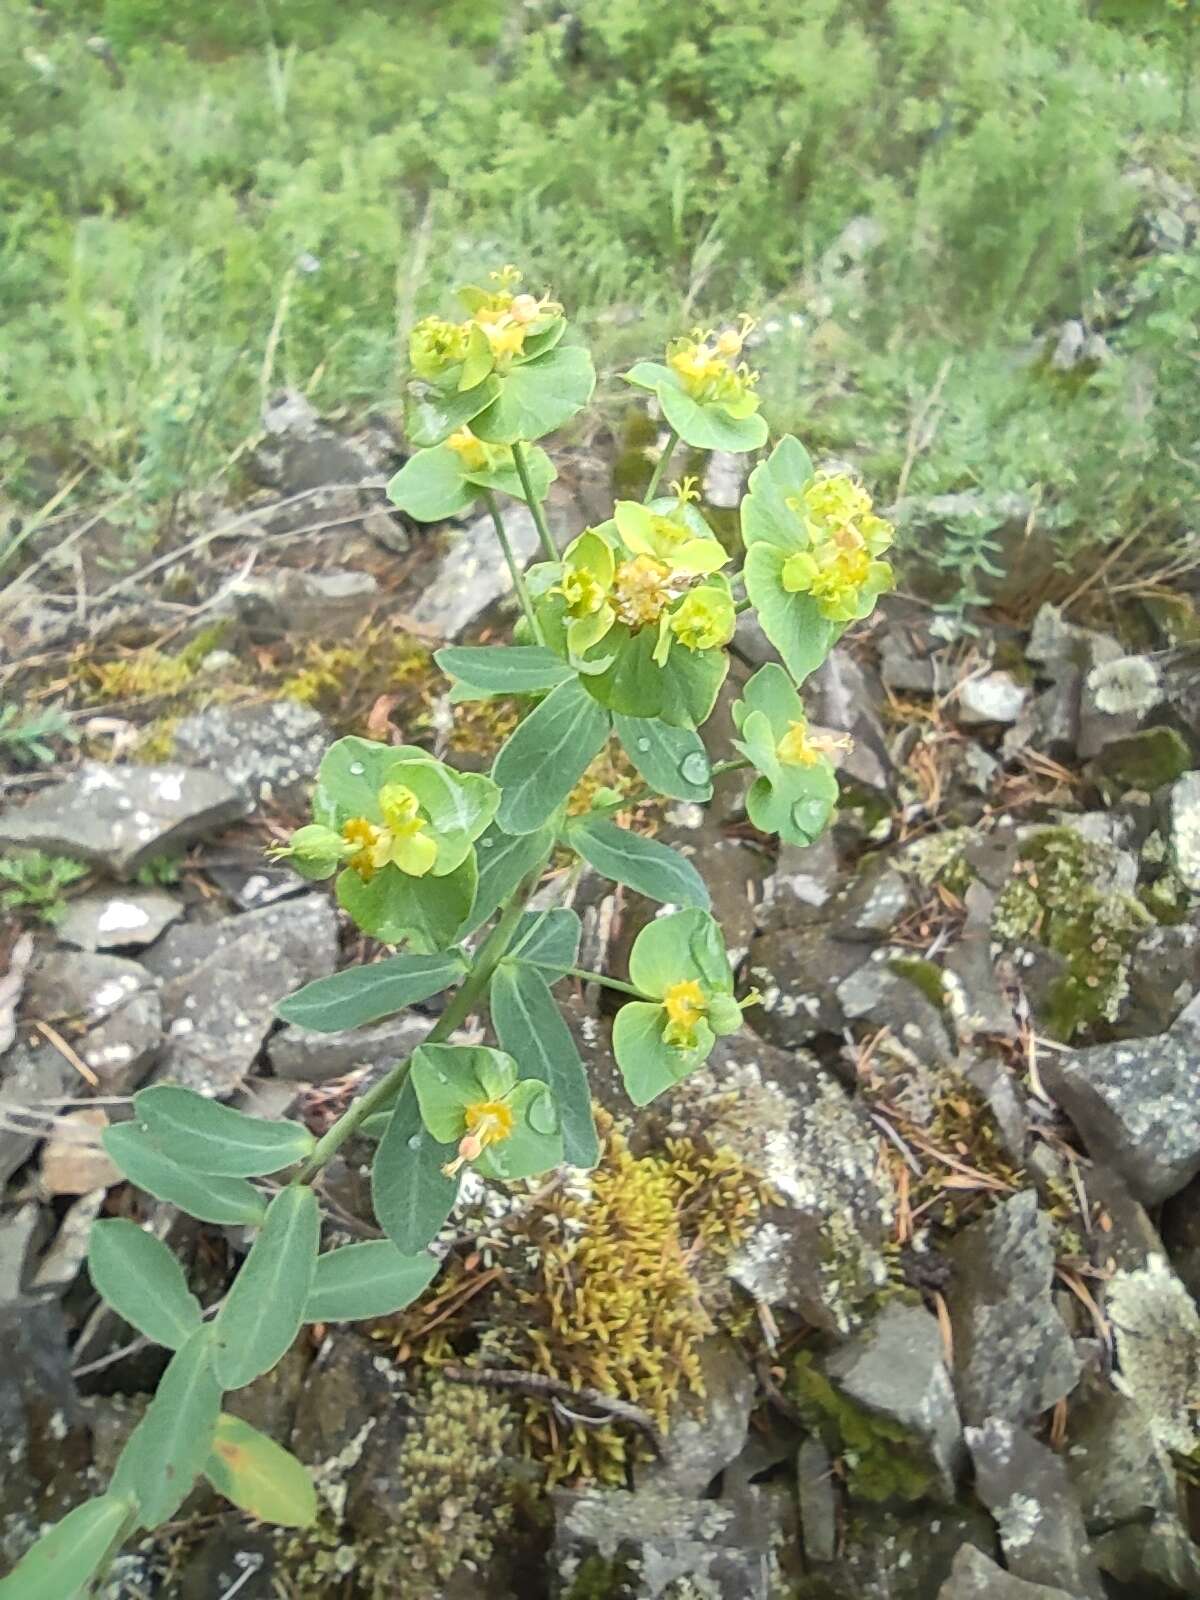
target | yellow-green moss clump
[
  {"x": 1055, "y": 897},
  {"x": 882, "y": 1459}
]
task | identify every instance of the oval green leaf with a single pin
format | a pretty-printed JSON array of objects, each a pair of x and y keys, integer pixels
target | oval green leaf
[
  {"x": 412, "y": 1195},
  {"x": 364, "y": 994},
  {"x": 653, "y": 869},
  {"x": 673, "y": 761},
  {"x": 142, "y": 1281},
  {"x": 64, "y": 1559},
  {"x": 538, "y": 396},
  {"x": 264, "y": 1310},
  {"x": 430, "y": 486},
  {"x": 229, "y": 1201},
  {"x": 504, "y": 859},
  {"x": 530, "y": 1027},
  {"x": 367, "y": 1280},
  {"x": 547, "y": 939},
  {"x": 480, "y": 672},
  {"x": 546, "y": 755},
  {"x": 260, "y": 1476},
  {"x": 209, "y": 1137},
  {"x": 397, "y": 909},
  {"x": 166, "y": 1452}
]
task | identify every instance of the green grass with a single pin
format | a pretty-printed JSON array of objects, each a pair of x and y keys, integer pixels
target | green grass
[{"x": 272, "y": 191}]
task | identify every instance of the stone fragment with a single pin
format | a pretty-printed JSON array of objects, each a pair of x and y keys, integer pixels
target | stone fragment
[
  {"x": 798, "y": 972},
  {"x": 843, "y": 695},
  {"x": 32, "y": 1080},
  {"x": 1164, "y": 977},
  {"x": 818, "y": 1500},
  {"x": 266, "y": 751},
  {"x": 115, "y": 920},
  {"x": 1136, "y": 1104},
  {"x": 975, "y": 1576},
  {"x": 896, "y": 1368},
  {"x": 288, "y": 603},
  {"x": 1027, "y": 1489},
  {"x": 59, "y": 1267},
  {"x": 41, "y": 1423},
  {"x": 1183, "y": 829},
  {"x": 892, "y": 997},
  {"x": 1013, "y": 1356},
  {"x": 724, "y": 480},
  {"x": 904, "y": 1554},
  {"x": 21, "y": 1229},
  {"x": 805, "y": 878},
  {"x": 300, "y": 452},
  {"x": 1055, "y": 643},
  {"x": 1145, "y": 760},
  {"x": 73, "y": 1159},
  {"x": 871, "y": 905},
  {"x": 995, "y": 697},
  {"x": 223, "y": 980},
  {"x": 312, "y": 1057},
  {"x": 118, "y": 818},
  {"x": 113, "y": 1001},
  {"x": 1119, "y": 1471},
  {"x": 707, "y": 1431},
  {"x": 1156, "y": 1326}
]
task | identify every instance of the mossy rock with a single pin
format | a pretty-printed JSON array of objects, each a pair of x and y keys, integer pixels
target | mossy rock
[
  {"x": 883, "y": 1460},
  {"x": 1146, "y": 760}
]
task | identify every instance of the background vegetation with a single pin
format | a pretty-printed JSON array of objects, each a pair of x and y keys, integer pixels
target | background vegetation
[{"x": 202, "y": 202}]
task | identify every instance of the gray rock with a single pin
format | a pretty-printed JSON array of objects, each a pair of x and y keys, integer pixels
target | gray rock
[
  {"x": 976, "y": 994},
  {"x": 1164, "y": 977},
  {"x": 299, "y": 452},
  {"x": 301, "y": 1053},
  {"x": 252, "y": 884},
  {"x": 121, "y": 817},
  {"x": 818, "y": 1500},
  {"x": 1119, "y": 1471},
  {"x": 805, "y": 878},
  {"x": 877, "y": 994},
  {"x": 1152, "y": 1559},
  {"x": 41, "y": 1423},
  {"x": 708, "y": 1431},
  {"x": 903, "y": 666},
  {"x": 1026, "y": 1488},
  {"x": 995, "y": 697},
  {"x": 1055, "y": 643},
  {"x": 1183, "y": 825},
  {"x": 1117, "y": 695},
  {"x": 724, "y": 480},
  {"x": 872, "y": 904},
  {"x": 975, "y": 1576},
  {"x": 473, "y": 575},
  {"x": 896, "y": 1367},
  {"x": 843, "y": 695},
  {"x": 798, "y": 972},
  {"x": 60, "y": 1266},
  {"x": 115, "y": 920},
  {"x": 1156, "y": 1327},
  {"x": 117, "y": 1004},
  {"x": 228, "y": 978},
  {"x": 266, "y": 751},
  {"x": 1013, "y": 1356},
  {"x": 32, "y": 1079},
  {"x": 21, "y": 1229},
  {"x": 902, "y": 1555},
  {"x": 820, "y": 1249},
  {"x": 288, "y": 602},
  {"x": 1136, "y": 1105}
]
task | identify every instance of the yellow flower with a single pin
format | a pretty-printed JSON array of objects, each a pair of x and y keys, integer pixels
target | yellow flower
[
  {"x": 840, "y": 568},
  {"x": 372, "y": 847},
  {"x": 641, "y": 590},
  {"x": 686, "y": 1005},
  {"x": 437, "y": 345},
  {"x": 705, "y": 620},
  {"x": 705, "y": 365},
  {"x": 473, "y": 452},
  {"x": 402, "y": 841},
  {"x": 488, "y": 1122},
  {"x": 799, "y": 748}
]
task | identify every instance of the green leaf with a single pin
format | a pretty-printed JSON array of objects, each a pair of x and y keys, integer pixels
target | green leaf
[
  {"x": 710, "y": 427},
  {"x": 360, "y": 995},
  {"x": 547, "y": 939},
  {"x": 223, "y": 1200},
  {"x": 367, "y": 1280},
  {"x": 653, "y": 869},
  {"x": 259, "y": 1476},
  {"x": 766, "y": 515},
  {"x": 64, "y": 1559},
  {"x": 546, "y": 755},
  {"x": 535, "y": 1144},
  {"x": 648, "y": 375},
  {"x": 202, "y": 1134},
  {"x": 792, "y": 622},
  {"x": 674, "y": 948},
  {"x": 435, "y": 415},
  {"x": 142, "y": 1281},
  {"x": 353, "y": 771},
  {"x": 166, "y": 1452},
  {"x": 450, "y": 1077},
  {"x": 507, "y": 479},
  {"x": 397, "y": 909},
  {"x": 264, "y": 1310},
  {"x": 412, "y": 1195},
  {"x": 431, "y": 486},
  {"x": 504, "y": 859},
  {"x": 673, "y": 761},
  {"x": 481, "y": 672},
  {"x": 530, "y": 1027},
  {"x": 538, "y": 396},
  {"x": 459, "y": 806},
  {"x": 648, "y": 1064}
]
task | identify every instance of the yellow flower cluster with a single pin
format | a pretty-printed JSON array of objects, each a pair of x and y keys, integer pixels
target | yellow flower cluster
[
  {"x": 488, "y": 1122},
  {"x": 403, "y": 840},
  {"x": 706, "y": 364},
  {"x": 841, "y": 567},
  {"x": 800, "y": 748},
  {"x": 685, "y": 1004},
  {"x": 501, "y": 320}
]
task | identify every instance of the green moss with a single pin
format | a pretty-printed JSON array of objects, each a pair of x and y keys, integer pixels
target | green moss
[
  {"x": 925, "y": 975},
  {"x": 1145, "y": 760},
  {"x": 600, "y": 1579},
  {"x": 1055, "y": 898},
  {"x": 940, "y": 859},
  {"x": 1166, "y": 899},
  {"x": 883, "y": 1460}
]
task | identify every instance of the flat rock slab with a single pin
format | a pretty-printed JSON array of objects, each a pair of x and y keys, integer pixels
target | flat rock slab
[
  {"x": 311, "y": 1057},
  {"x": 264, "y": 751},
  {"x": 110, "y": 1006},
  {"x": 118, "y": 818},
  {"x": 32, "y": 1078},
  {"x": 1013, "y": 1355},
  {"x": 116, "y": 920},
  {"x": 709, "y": 1431},
  {"x": 1136, "y": 1105},
  {"x": 223, "y": 980},
  {"x": 975, "y": 1576},
  {"x": 1027, "y": 1489}
]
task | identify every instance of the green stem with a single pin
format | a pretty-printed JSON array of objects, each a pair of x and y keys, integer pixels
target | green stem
[
  {"x": 742, "y": 605},
  {"x": 534, "y": 504},
  {"x": 491, "y": 952},
  {"x": 735, "y": 765},
  {"x": 657, "y": 475},
  {"x": 609, "y": 983},
  {"x": 514, "y": 567}
]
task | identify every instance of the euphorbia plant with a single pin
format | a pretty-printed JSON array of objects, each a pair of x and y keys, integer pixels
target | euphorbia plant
[{"x": 623, "y": 635}]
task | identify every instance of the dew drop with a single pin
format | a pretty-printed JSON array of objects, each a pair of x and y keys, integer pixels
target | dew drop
[
  {"x": 809, "y": 817},
  {"x": 442, "y": 1078},
  {"x": 486, "y": 844},
  {"x": 695, "y": 769},
  {"x": 357, "y": 769},
  {"x": 414, "y": 1142},
  {"x": 543, "y": 1115},
  {"x": 644, "y": 745}
]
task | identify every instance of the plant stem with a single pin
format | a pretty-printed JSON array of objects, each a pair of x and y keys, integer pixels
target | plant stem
[
  {"x": 609, "y": 983},
  {"x": 535, "y": 505},
  {"x": 514, "y": 568},
  {"x": 661, "y": 466},
  {"x": 742, "y": 605},
  {"x": 487, "y": 959},
  {"x": 736, "y": 765}
]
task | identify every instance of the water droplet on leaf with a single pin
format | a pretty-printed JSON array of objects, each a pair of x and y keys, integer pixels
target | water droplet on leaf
[
  {"x": 695, "y": 768},
  {"x": 414, "y": 1142},
  {"x": 808, "y": 817},
  {"x": 643, "y": 745},
  {"x": 357, "y": 769},
  {"x": 543, "y": 1115}
]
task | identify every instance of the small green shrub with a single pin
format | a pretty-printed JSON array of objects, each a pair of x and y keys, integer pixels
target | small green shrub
[{"x": 37, "y": 883}]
